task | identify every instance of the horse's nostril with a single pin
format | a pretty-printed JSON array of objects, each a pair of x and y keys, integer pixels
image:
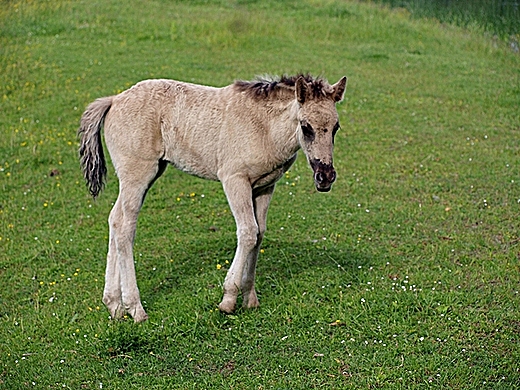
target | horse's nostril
[{"x": 319, "y": 177}]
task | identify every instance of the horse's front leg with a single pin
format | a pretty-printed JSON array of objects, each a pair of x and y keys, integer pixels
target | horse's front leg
[
  {"x": 240, "y": 197},
  {"x": 261, "y": 202}
]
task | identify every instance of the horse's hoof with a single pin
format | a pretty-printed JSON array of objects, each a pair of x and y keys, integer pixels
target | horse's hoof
[
  {"x": 250, "y": 300},
  {"x": 227, "y": 306},
  {"x": 116, "y": 311},
  {"x": 117, "y": 314},
  {"x": 139, "y": 315},
  {"x": 114, "y": 305}
]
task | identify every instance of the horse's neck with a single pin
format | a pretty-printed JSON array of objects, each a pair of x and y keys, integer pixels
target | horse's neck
[{"x": 283, "y": 124}]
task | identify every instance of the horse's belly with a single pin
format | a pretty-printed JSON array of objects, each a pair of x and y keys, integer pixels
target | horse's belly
[
  {"x": 194, "y": 167},
  {"x": 186, "y": 152}
]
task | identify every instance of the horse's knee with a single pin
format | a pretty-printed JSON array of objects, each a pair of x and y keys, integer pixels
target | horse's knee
[
  {"x": 248, "y": 237},
  {"x": 116, "y": 217}
]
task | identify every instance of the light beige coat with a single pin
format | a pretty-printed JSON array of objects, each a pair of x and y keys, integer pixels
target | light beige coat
[{"x": 245, "y": 135}]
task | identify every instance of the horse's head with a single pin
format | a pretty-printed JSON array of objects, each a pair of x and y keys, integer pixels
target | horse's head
[{"x": 318, "y": 123}]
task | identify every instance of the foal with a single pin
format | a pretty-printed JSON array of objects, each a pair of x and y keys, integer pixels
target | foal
[{"x": 245, "y": 135}]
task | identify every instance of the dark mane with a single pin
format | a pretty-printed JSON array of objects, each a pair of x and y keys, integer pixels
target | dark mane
[{"x": 263, "y": 87}]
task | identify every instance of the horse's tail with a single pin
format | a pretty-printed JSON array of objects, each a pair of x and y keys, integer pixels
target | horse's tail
[{"x": 91, "y": 153}]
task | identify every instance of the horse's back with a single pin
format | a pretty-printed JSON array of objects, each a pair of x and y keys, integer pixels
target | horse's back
[
  {"x": 169, "y": 120},
  {"x": 205, "y": 131}
]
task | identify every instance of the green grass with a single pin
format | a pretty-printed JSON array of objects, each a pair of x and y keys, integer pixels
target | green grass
[
  {"x": 498, "y": 17},
  {"x": 406, "y": 275}
]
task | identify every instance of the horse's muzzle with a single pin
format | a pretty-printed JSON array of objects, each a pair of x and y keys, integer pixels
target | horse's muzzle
[{"x": 324, "y": 175}]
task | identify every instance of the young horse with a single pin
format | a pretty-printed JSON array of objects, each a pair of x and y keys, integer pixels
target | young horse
[{"x": 245, "y": 135}]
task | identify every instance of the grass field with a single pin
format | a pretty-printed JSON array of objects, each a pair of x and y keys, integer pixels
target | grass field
[
  {"x": 406, "y": 275},
  {"x": 498, "y": 17}
]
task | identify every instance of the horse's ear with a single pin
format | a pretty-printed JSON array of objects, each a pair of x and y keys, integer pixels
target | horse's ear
[
  {"x": 301, "y": 90},
  {"x": 339, "y": 89}
]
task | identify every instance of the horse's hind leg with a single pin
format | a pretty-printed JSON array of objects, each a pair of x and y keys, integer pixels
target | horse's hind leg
[
  {"x": 121, "y": 293},
  {"x": 112, "y": 293}
]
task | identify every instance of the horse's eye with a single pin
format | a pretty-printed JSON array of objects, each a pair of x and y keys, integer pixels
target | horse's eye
[{"x": 308, "y": 132}]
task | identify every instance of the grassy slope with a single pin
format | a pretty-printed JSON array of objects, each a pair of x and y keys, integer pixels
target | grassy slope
[{"x": 405, "y": 275}]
